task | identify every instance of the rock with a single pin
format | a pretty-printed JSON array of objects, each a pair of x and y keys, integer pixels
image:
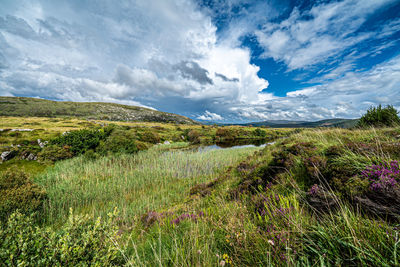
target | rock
[
  {"x": 31, "y": 157},
  {"x": 7, "y": 155},
  {"x": 42, "y": 144},
  {"x": 22, "y": 130},
  {"x": 167, "y": 143},
  {"x": 24, "y": 154}
]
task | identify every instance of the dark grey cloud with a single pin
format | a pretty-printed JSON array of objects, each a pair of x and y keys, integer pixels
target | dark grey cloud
[
  {"x": 226, "y": 79},
  {"x": 192, "y": 70}
]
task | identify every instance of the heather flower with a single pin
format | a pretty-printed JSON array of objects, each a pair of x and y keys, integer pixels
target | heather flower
[
  {"x": 184, "y": 216},
  {"x": 314, "y": 189},
  {"x": 382, "y": 176}
]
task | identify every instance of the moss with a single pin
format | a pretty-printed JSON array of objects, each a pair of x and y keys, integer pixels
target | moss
[
  {"x": 17, "y": 191},
  {"x": 55, "y": 153}
]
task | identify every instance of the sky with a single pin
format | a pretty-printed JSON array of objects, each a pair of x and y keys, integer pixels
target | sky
[{"x": 220, "y": 61}]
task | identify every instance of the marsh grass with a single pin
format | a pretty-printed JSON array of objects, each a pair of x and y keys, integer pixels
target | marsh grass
[{"x": 149, "y": 180}]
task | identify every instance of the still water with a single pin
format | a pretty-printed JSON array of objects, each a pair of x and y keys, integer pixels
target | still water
[{"x": 235, "y": 145}]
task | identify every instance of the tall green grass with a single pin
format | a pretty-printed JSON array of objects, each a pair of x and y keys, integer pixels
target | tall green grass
[{"x": 149, "y": 180}]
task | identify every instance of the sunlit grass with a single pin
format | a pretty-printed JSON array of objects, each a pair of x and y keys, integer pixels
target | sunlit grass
[{"x": 150, "y": 180}]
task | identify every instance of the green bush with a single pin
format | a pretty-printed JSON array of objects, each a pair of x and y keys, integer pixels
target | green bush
[
  {"x": 259, "y": 132},
  {"x": 149, "y": 137},
  {"x": 380, "y": 117},
  {"x": 55, "y": 153},
  {"x": 81, "y": 140},
  {"x": 90, "y": 155},
  {"x": 17, "y": 191},
  {"x": 120, "y": 141},
  {"x": 81, "y": 241},
  {"x": 194, "y": 137},
  {"x": 223, "y": 133}
]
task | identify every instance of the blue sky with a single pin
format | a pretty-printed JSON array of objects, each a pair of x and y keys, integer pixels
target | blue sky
[{"x": 224, "y": 61}]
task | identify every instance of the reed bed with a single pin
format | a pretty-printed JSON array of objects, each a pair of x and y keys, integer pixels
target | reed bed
[{"x": 149, "y": 180}]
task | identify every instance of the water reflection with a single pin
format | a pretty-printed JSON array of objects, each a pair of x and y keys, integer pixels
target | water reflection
[{"x": 236, "y": 144}]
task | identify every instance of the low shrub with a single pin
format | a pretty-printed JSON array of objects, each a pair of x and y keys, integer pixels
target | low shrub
[
  {"x": 54, "y": 153},
  {"x": 149, "y": 137},
  {"x": 90, "y": 155},
  {"x": 81, "y": 140},
  {"x": 259, "y": 132},
  {"x": 17, "y": 191},
  {"x": 194, "y": 137},
  {"x": 119, "y": 141},
  {"x": 223, "y": 133},
  {"x": 81, "y": 241},
  {"x": 142, "y": 145}
]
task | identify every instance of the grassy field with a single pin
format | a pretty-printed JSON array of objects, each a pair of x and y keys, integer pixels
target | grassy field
[{"x": 47, "y": 128}]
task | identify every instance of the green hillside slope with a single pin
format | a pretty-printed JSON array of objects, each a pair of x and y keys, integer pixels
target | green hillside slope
[{"x": 33, "y": 107}]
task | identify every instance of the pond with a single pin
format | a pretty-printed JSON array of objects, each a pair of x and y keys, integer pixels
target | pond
[{"x": 236, "y": 144}]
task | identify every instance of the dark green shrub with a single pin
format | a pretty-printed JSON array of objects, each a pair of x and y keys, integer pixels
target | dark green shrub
[
  {"x": 194, "y": 137},
  {"x": 120, "y": 141},
  {"x": 223, "y": 133},
  {"x": 81, "y": 241},
  {"x": 142, "y": 145},
  {"x": 15, "y": 134},
  {"x": 90, "y": 155},
  {"x": 380, "y": 117},
  {"x": 149, "y": 137},
  {"x": 259, "y": 132},
  {"x": 17, "y": 191},
  {"x": 81, "y": 140},
  {"x": 55, "y": 153}
]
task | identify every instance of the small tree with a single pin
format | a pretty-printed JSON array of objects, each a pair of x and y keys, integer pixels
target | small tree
[{"x": 380, "y": 117}]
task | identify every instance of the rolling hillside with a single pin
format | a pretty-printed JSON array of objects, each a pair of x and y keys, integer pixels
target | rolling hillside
[
  {"x": 33, "y": 107},
  {"x": 341, "y": 123}
]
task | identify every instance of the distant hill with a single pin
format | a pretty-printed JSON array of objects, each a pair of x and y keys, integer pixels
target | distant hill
[
  {"x": 33, "y": 107},
  {"x": 341, "y": 123}
]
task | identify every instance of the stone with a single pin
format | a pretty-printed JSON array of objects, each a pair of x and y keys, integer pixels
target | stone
[
  {"x": 31, "y": 157},
  {"x": 22, "y": 130},
  {"x": 167, "y": 143},
  {"x": 42, "y": 144},
  {"x": 7, "y": 155}
]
